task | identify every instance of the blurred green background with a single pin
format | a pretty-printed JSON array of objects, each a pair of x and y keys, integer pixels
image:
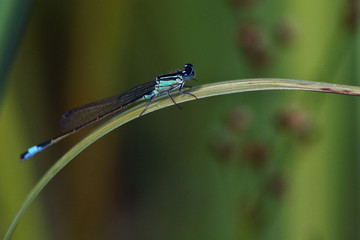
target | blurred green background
[{"x": 257, "y": 165}]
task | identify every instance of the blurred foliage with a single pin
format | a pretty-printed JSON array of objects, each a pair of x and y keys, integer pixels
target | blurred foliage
[
  {"x": 13, "y": 19},
  {"x": 264, "y": 165}
]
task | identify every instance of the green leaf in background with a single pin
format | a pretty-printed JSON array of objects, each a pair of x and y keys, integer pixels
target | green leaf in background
[{"x": 13, "y": 20}]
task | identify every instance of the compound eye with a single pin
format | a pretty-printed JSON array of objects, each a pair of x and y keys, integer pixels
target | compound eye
[{"x": 189, "y": 68}]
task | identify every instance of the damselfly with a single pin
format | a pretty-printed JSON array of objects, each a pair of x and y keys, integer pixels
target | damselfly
[{"x": 87, "y": 115}]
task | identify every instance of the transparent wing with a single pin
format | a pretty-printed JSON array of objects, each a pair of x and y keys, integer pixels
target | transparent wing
[{"x": 94, "y": 112}]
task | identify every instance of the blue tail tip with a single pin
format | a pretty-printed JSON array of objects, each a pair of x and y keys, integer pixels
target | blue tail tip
[{"x": 31, "y": 152}]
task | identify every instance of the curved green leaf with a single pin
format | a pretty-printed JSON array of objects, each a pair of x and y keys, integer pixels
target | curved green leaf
[{"x": 203, "y": 91}]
